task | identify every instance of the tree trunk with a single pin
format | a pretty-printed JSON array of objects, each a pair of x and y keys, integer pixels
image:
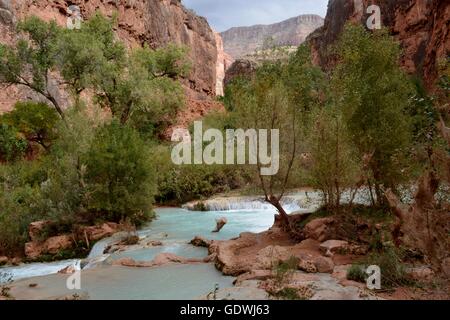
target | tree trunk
[{"x": 423, "y": 225}]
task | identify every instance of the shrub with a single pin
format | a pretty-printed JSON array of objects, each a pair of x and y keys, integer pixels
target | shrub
[
  {"x": 393, "y": 271},
  {"x": 12, "y": 146},
  {"x": 19, "y": 208},
  {"x": 36, "y": 121},
  {"x": 357, "y": 273},
  {"x": 284, "y": 269},
  {"x": 120, "y": 178}
]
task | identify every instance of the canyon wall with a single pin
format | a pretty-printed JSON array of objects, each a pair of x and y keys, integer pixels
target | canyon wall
[
  {"x": 241, "y": 41},
  {"x": 152, "y": 22},
  {"x": 421, "y": 26}
]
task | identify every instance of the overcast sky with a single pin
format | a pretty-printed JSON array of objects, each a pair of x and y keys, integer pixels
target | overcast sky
[{"x": 224, "y": 14}]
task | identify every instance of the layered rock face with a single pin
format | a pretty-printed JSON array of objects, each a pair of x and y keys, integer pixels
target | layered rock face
[
  {"x": 152, "y": 22},
  {"x": 421, "y": 26},
  {"x": 224, "y": 61},
  {"x": 241, "y": 41}
]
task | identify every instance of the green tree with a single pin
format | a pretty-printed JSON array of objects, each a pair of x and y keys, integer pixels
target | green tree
[
  {"x": 32, "y": 59},
  {"x": 12, "y": 145},
  {"x": 119, "y": 176},
  {"x": 36, "y": 121},
  {"x": 334, "y": 165},
  {"x": 374, "y": 94}
]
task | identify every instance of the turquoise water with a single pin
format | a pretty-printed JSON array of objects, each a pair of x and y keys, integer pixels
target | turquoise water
[
  {"x": 174, "y": 227},
  {"x": 180, "y": 224},
  {"x": 173, "y": 282}
]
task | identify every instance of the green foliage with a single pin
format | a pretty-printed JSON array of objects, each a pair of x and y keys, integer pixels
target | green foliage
[
  {"x": 334, "y": 165},
  {"x": 180, "y": 184},
  {"x": 284, "y": 269},
  {"x": 36, "y": 121},
  {"x": 357, "y": 273},
  {"x": 19, "y": 207},
  {"x": 119, "y": 176},
  {"x": 12, "y": 146},
  {"x": 139, "y": 88},
  {"x": 393, "y": 271},
  {"x": 374, "y": 95},
  {"x": 31, "y": 59}
]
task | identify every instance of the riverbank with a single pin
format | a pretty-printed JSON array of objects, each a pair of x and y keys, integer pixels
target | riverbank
[{"x": 248, "y": 259}]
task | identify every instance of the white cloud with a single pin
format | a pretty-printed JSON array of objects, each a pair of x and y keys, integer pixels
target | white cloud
[{"x": 224, "y": 14}]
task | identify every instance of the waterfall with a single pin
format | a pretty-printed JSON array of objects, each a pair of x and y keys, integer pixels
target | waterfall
[{"x": 289, "y": 204}]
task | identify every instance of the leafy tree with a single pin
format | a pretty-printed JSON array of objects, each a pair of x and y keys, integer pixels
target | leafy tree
[
  {"x": 36, "y": 121},
  {"x": 12, "y": 146},
  {"x": 334, "y": 166},
  {"x": 119, "y": 175},
  {"x": 90, "y": 53},
  {"x": 32, "y": 59},
  {"x": 146, "y": 92},
  {"x": 374, "y": 94}
]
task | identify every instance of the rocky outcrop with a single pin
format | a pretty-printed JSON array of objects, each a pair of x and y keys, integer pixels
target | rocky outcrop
[
  {"x": 43, "y": 239},
  {"x": 224, "y": 61},
  {"x": 320, "y": 229},
  {"x": 95, "y": 233},
  {"x": 152, "y": 22},
  {"x": 241, "y": 41},
  {"x": 240, "y": 68},
  {"x": 160, "y": 260},
  {"x": 422, "y": 27},
  {"x": 52, "y": 245},
  {"x": 199, "y": 241},
  {"x": 220, "y": 223}
]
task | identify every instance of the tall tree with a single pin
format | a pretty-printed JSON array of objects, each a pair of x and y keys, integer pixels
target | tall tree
[
  {"x": 374, "y": 94},
  {"x": 31, "y": 60}
]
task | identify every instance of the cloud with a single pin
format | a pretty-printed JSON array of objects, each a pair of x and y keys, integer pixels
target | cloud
[{"x": 224, "y": 14}]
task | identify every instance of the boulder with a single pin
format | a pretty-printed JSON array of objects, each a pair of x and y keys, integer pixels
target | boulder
[
  {"x": 270, "y": 256},
  {"x": 129, "y": 262},
  {"x": 253, "y": 275},
  {"x": 52, "y": 245},
  {"x": 67, "y": 270},
  {"x": 165, "y": 258},
  {"x": 330, "y": 247},
  {"x": 95, "y": 233},
  {"x": 324, "y": 264},
  {"x": 220, "y": 223},
  {"x": 33, "y": 249},
  {"x": 154, "y": 243},
  {"x": 312, "y": 263},
  {"x": 321, "y": 229},
  {"x": 200, "y": 242},
  {"x": 3, "y": 260},
  {"x": 36, "y": 229},
  {"x": 55, "y": 244},
  {"x": 307, "y": 266}
]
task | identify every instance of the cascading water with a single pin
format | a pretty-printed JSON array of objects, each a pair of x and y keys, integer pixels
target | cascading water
[{"x": 290, "y": 204}]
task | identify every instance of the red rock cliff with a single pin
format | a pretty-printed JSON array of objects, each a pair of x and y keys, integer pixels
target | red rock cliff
[
  {"x": 155, "y": 22},
  {"x": 421, "y": 26}
]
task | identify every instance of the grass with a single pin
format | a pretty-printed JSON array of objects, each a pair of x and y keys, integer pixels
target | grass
[
  {"x": 357, "y": 272},
  {"x": 285, "y": 268},
  {"x": 393, "y": 270}
]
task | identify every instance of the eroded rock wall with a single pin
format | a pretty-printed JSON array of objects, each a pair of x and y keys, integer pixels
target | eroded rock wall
[
  {"x": 421, "y": 26},
  {"x": 152, "y": 22}
]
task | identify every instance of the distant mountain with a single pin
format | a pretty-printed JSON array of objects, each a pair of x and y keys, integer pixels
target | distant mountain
[{"x": 241, "y": 41}]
